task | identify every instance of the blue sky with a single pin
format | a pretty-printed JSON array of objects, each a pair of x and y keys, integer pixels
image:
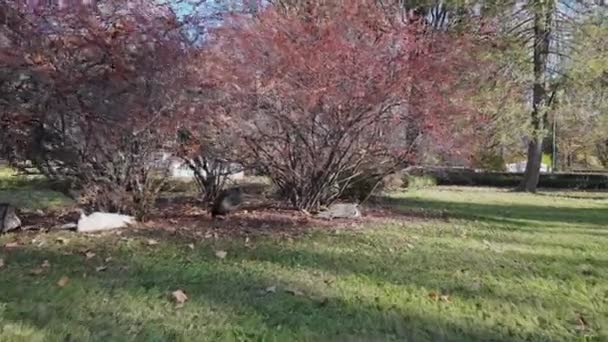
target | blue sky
[{"x": 210, "y": 10}]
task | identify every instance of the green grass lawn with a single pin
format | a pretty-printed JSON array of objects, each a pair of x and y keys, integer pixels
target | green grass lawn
[
  {"x": 464, "y": 264},
  {"x": 31, "y": 192}
]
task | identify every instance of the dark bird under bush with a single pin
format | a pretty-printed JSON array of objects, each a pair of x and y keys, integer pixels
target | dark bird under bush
[{"x": 228, "y": 201}]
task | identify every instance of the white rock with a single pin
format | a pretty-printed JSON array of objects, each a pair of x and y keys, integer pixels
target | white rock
[{"x": 99, "y": 221}]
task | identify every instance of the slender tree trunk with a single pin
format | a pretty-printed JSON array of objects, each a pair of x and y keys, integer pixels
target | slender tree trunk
[
  {"x": 532, "y": 173},
  {"x": 543, "y": 16}
]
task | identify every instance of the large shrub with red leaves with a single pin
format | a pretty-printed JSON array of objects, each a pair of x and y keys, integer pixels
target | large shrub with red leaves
[
  {"x": 89, "y": 93},
  {"x": 338, "y": 92}
]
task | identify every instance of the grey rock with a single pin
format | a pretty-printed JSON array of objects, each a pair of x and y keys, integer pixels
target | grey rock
[
  {"x": 341, "y": 210},
  {"x": 8, "y": 218}
]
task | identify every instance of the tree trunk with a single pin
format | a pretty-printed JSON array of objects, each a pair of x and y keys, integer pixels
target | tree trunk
[
  {"x": 543, "y": 17},
  {"x": 532, "y": 173}
]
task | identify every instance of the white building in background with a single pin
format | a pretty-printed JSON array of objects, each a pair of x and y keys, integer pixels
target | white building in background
[
  {"x": 180, "y": 170},
  {"x": 521, "y": 167}
]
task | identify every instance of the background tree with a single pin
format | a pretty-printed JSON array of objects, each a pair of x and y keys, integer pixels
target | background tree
[
  {"x": 544, "y": 31},
  {"x": 581, "y": 114}
]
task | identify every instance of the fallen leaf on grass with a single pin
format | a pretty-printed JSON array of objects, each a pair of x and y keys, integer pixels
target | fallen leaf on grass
[
  {"x": 194, "y": 212},
  {"x": 436, "y": 296},
  {"x": 62, "y": 240},
  {"x": 152, "y": 242},
  {"x": 101, "y": 268},
  {"x": 294, "y": 292},
  {"x": 63, "y": 281},
  {"x": 108, "y": 259},
  {"x": 271, "y": 289},
  {"x": 221, "y": 254},
  {"x": 1, "y": 262},
  {"x": 581, "y": 322},
  {"x": 179, "y": 297},
  {"x": 37, "y": 271},
  {"x": 11, "y": 244},
  {"x": 191, "y": 245},
  {"x": 89, "y": 255},
  {"x": 40, "y": 243},
  {"x": 45, "y": 264}
]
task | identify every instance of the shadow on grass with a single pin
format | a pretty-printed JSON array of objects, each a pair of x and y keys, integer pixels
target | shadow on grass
[
  {"x": 449, "y": 270},
  {"x": 91, "y": 307},
  {"x": 595, "y": 195},
  {"x": 496, "y": 213},
  {"x": 572, "y": 240}
]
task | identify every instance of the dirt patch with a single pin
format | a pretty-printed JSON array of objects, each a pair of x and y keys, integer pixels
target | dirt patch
[
  {"x": 187, "y": 217},
  {"x": 256, "y": 217},
  {"x": 48, "y": 220}
]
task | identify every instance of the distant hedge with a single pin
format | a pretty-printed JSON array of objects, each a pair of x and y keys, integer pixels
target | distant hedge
[{"x": 447, "y": 176}]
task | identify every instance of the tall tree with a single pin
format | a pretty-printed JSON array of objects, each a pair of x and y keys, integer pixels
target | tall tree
[
  {"x": 557, "y": 41},
  {"x": 544, "y": 32},
  {"x": 543, "y": 13}
]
